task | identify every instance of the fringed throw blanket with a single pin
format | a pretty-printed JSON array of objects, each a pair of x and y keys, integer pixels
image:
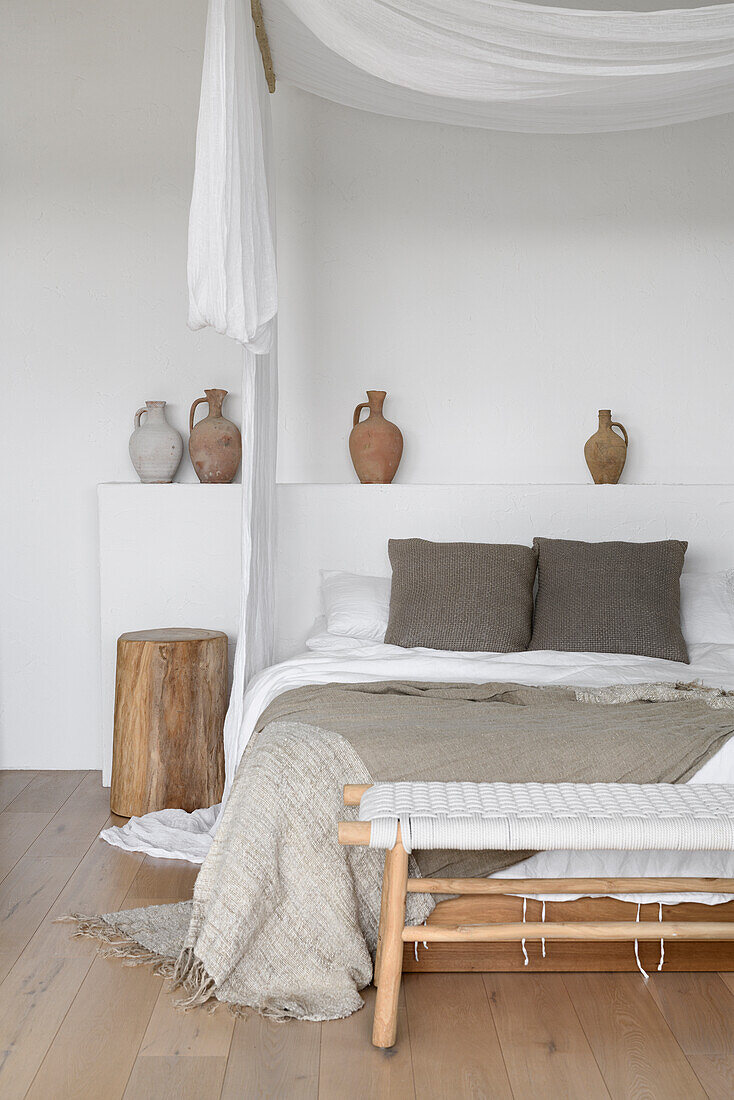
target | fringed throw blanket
[{"x": 283, "y": 919}]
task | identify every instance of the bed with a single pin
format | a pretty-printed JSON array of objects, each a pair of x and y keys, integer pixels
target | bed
[
  {"x": 333, "y": 658},
  {"x": 284, "y": 920}
]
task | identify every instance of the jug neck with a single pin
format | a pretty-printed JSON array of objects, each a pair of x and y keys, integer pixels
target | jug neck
[
  {"x": 376, "y": 399},
  {"x": 605, "y": 418},
  {"x": 155, "y": 411},
  {"x": 216, "y": 400}
]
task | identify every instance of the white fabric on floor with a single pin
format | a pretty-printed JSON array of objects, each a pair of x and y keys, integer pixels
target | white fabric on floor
[{"x": 506, "y": 65}]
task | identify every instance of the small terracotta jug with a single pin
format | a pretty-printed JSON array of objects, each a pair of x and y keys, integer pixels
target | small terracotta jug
[
  {"x": 606, "y": 452},
  {"x": 375, "y": 444},
  {"x": 215, "y": 444}
]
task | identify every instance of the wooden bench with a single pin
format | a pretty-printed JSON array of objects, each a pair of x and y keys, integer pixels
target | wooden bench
[{"x": 396, "y": 885}]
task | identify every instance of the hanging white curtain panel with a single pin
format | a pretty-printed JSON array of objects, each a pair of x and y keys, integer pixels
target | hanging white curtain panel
[{"x": 233, "y": 288}]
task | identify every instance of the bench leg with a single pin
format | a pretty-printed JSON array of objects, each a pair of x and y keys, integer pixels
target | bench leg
[
  {"x": 390, "y": 945},
  {"x": 383, "y": 908}
]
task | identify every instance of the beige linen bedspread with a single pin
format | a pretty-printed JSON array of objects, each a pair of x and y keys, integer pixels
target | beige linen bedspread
[{"x": 283, "y": 919}]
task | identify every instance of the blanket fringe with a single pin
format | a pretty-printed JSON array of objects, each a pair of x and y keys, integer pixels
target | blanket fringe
[
  {"x": 190, "y": 975},
  {"x": 185, "y": 972}
]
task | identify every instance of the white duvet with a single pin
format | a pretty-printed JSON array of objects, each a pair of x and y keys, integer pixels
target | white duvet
[{"x": 178, "y": 835}]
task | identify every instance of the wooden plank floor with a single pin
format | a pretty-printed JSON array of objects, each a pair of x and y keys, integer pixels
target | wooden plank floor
[{"x": 74, "y": 1025}]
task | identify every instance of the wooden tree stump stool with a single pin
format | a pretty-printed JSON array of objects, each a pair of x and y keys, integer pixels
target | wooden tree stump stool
[{"x": 170, "y": 702}]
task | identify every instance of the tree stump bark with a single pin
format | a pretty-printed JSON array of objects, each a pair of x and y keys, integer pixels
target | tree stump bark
[{"x": 170, "y": 702}]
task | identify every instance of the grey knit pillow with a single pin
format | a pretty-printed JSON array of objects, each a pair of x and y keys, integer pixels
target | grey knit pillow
[
  {"x": 460, "y": 595},
  {"x": 610, "y": 597}
]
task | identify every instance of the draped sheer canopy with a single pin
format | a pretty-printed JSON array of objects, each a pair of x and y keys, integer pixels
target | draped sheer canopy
[
  {"x": 499, "y": 64},
  {"x": 508, "y": 65}
]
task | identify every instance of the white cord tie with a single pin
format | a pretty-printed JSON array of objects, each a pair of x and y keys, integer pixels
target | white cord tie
[
  {"x": 524, "y": 949},
  {"x": 662, "y": 941},
  {"x": 415, "y": 945},
  {"x": 637, "y": 948},
  {"x": 542, "y": 942}
]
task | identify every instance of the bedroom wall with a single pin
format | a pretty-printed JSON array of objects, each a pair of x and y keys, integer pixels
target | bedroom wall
[
  {"x": 501, "y": 288},
  {"x": 97, "y": 128}
]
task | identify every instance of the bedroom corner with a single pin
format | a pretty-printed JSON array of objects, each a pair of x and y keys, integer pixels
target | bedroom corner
[{"x": 367, "y": 625}]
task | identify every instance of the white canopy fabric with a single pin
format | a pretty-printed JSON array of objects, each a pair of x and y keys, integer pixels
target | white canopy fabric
[
  {"x": 492, "y": 63},
  {"x": 506, "y": 65}
]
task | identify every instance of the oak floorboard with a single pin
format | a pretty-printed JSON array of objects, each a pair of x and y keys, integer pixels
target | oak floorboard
[
  {"x": 351, "y": 1066},
  {"x": 171, "y": 878},
  {"x": 716, "y": 1074},
  {"x": 545, "y": 1050},
  {"x": 728, "y": 980},
  {"x": 699, "y": 1010},
  {"x": 454, "y": 1044},
  {"x": 26, "y": 895},
  {"x": 77, "y": 822},
  {"x": 94, "y": 1050},
  {"x": 632, "y": 1043},
  {"x": 196, "y": 1034},
  {"x": 131, "y": 901},
  {"x": 12, "y": 783},
  {"x": 46, "y": 792},
  {"x": 17, "y": 833},
  {"x": 97, "y": 884},
  {"x": 270, "y": 1058},
  {"x": 8, "y": 959},
  {"x": 34, "y": 999},
  {"x": 178, "y": 1079}
]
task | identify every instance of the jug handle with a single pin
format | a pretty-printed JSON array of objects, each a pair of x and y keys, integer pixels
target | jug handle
[
  {"x": 191, "y": 414},
  {"x": 357, "y": 412},
  {"x": 616, "y": 424},
  {"x": 138, "y": 414}
]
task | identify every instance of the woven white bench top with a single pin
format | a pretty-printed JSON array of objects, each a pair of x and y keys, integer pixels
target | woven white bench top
[{"x": 530, "y": 816}]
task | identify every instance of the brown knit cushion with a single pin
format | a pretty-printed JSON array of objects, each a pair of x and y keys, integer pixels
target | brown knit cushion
[
  {"x": 610, "y": 597},
  {"x": 460, "y": 595}
]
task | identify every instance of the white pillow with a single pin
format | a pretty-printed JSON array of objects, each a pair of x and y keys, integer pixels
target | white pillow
[
  {"x": 707, "y": 607},
  {"x": 355, "y": 605}
]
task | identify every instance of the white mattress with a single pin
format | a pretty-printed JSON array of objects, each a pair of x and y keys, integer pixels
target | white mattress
[{"x": 330, "y": 658}]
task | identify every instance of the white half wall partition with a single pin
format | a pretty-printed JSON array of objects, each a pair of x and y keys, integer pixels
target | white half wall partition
[{"x": 169, "y": 556}]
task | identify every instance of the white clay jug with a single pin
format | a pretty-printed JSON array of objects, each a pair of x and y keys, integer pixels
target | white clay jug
[{"x": 155, "y": 447}]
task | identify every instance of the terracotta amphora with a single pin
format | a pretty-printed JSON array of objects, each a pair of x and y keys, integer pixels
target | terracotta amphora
[
  {"x": 606, "y": 452},
  {"x": 215, "y": 444},
  {"x": 375, "y": 444}
]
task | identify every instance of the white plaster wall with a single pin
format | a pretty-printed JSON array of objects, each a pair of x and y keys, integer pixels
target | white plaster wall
[
  {"x": 501, "y": 287},
  {"x": 97, "y": 127}
]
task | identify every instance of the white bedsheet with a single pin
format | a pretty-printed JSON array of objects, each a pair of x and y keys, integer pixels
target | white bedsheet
[{"x": 178, "y": 835}]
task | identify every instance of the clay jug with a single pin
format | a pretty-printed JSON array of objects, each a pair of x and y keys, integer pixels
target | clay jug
[
  {"x": 155, "y": 447},
  {"x": 215, "y": 444},
  {"x": 606, "y": 452},
  {"x": 376, "y": 445}
]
